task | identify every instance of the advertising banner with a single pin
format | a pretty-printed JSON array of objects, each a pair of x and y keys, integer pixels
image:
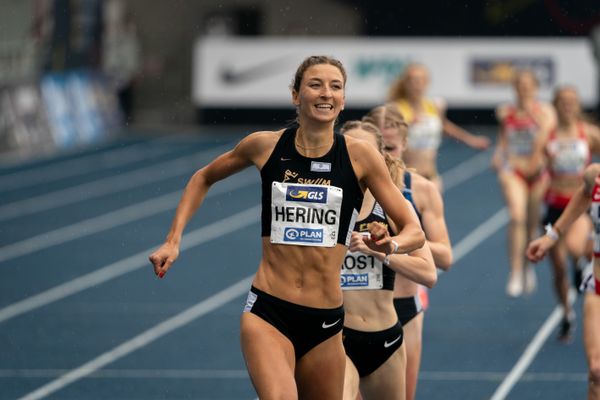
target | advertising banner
[{"x": 467, "y": 73}]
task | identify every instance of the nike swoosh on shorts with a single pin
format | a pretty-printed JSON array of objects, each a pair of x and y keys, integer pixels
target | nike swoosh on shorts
[
  {"x": 326, "y": 325},
  {"x": 386, "y": 344}
]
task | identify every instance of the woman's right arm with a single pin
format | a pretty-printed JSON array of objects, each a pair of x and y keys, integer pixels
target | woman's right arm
[
  {"x": 417, "y": 266},
  {"x": 250, "y": 150}
]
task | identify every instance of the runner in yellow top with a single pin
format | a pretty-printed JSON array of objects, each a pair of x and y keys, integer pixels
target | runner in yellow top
[{"x": 427, "y": 122}]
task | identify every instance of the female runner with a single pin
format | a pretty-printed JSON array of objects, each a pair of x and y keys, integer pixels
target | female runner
[
  {"x": 586, "y": 197},
  {"x": 312, "y": 188},
  {"x": 569, "y": 146},
  {"x": 411, "y": 299},
  {"x": 372, "y": 334},
  {"x": 519, "y": 162},
  {"x": 426, "y": 122}
]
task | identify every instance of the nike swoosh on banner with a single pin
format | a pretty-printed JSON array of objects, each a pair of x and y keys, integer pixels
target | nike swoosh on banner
[
  {"x": 326, "y": 325},
  {"x": 265, "y": 69},
  {"x": 386, "y": 344}
]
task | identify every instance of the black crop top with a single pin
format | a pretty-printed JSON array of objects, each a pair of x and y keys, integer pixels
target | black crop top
[{"x": 309, "y": 201}]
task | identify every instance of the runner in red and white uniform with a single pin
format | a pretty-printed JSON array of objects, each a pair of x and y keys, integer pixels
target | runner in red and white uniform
[
  {"x": 519, "y": 161},
  {"x": 568, "y": 151},
  {"x": 587, "y": 196}
]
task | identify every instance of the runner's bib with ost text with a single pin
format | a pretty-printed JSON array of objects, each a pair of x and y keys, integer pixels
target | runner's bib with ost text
[
  {"x": 305, "y": 215},
  {"x": 361, "y": 272}
]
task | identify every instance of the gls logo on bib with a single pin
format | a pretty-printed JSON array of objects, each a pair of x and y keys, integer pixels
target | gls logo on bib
[{"x": 308, "y": 194}]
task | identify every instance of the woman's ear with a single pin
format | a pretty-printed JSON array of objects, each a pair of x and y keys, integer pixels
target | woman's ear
[{"x": 295, "y": 98}]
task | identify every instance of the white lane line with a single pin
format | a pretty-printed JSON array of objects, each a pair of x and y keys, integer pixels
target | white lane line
[
  {"x": 465, "y": 170},
  {"x": 138, "y": 177},
  {"x": 132, "y": 373},
  {"x": 474, "y": 376},
  {"x": 480, "y": 234},
  {"x": 80, "y": 166},
  {"x": 143, "y": 339},
  {"x": 129, "y": 264},
  {"x": 531, "y": 351},
  {"x": 115, "y": 218},
  {"x": 464, "y": 376}
]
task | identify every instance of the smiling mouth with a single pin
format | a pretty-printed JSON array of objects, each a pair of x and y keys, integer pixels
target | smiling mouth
[{"x": 324, "y": 107}]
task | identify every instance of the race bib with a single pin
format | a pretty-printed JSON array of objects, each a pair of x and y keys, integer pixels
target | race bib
[
  {"x": 425, "y": 134},
  {"x": 520, "y": 141},
  {"x": 305, "y": 215},
  {"x": 570, "y": 158},
  {"x": 361, "y": 272}
]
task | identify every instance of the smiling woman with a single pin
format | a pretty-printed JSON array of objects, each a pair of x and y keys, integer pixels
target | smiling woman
[{"x": 291, "y": 324}]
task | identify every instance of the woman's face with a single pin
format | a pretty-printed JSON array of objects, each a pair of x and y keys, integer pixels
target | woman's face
[
  {"x": 526, "y": 86},
  {"x": 567, "y": 104},
  {"x": 321, "y": 95},
  {"x": 393, "y": 142},
  {"x": 416, "y": 81}
]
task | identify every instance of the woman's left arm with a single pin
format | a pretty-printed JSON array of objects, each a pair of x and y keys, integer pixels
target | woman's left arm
[{"x": 454, "y": 131}]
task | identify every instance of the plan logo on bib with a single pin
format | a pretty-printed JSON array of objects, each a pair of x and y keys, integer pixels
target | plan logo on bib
[
  {"x": 303, "y": 235},
  {"x": 355, "y": 280}
]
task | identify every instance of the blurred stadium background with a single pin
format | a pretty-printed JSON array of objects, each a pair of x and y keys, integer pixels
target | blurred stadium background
[
  {"x": 108, "y": 106},
  {"x": 74, "y": 72}
]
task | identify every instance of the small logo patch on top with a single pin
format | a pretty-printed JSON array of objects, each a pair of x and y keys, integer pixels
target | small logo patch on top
[{"x": 317, "y": 166}]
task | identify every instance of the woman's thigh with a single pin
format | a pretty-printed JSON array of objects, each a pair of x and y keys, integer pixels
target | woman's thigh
[
  {"x": 388, "y": 382},
  {"x": 269, "y": 358},
  {"x": 320, "y": 372}
]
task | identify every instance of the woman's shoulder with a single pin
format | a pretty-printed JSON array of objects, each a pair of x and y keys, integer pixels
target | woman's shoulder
[
  {"x": 356, "y": 144},
  {"x": 546, "y": 108},
  {"x": 589, "y": 127},
  {"x": 423, "y": 186},
  {"x": 503, "y": 110},
  {"x": 439, "y": 103},
  {"x": 592, "y": 171},
  {"x": 259, "y": 143},
  {"x": 265, "y": 135},
  {"x": 260, "y": 138}
]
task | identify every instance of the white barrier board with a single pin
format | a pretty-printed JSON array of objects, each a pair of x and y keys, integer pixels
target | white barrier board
[{"x": 467, "y": 73}]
